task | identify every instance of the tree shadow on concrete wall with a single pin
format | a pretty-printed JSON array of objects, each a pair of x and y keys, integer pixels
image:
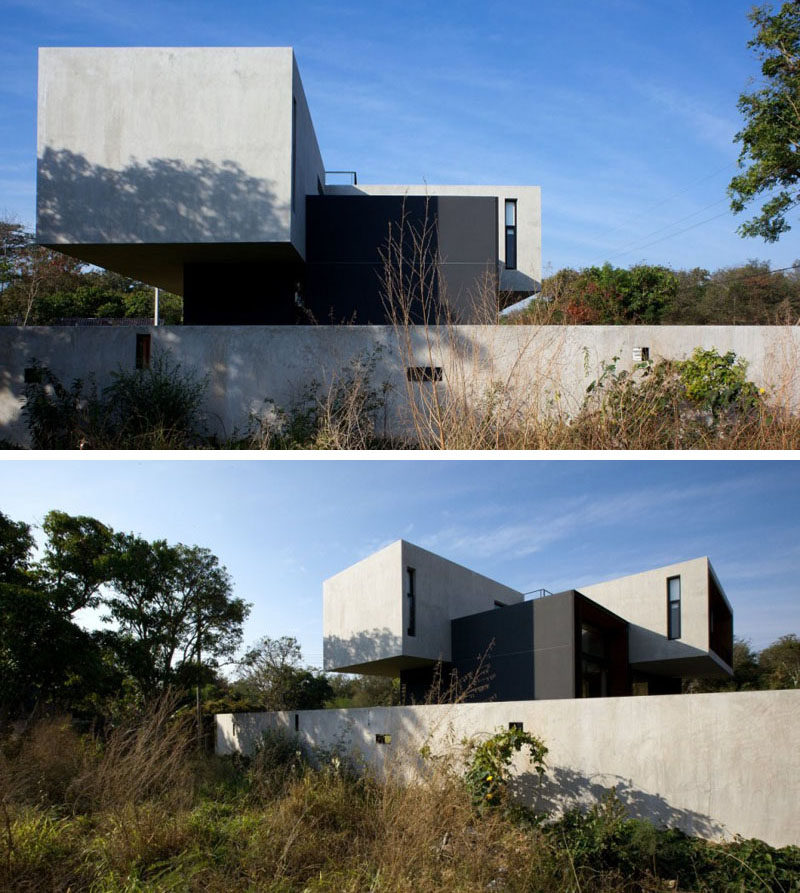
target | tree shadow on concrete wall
[
  {"x": 562, "y": 789},
  {"x": 161, "y": 200},
  {"x": 362, "y": 647}
]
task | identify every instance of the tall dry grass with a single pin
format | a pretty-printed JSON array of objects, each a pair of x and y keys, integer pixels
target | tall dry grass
[
  {"x": 509, "y": 397},
  {"x": 141, "y": 811}
]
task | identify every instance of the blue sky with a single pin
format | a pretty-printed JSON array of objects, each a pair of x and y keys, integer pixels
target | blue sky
[
  {"x": 282, "y": 526},
  {"x": 623, "y": 111}
]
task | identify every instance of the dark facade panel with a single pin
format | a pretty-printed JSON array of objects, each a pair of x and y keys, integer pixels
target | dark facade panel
[
  {"x": 503, "y": 637},
  {"x": 554, "y": 646},
  {"x": 238, "y": 294},
  {"x": 348, "y": 241}
]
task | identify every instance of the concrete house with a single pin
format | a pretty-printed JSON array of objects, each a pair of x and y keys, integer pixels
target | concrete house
[
  {"x": 403, "y": 610},
  {"x": 198, "y": 170}
]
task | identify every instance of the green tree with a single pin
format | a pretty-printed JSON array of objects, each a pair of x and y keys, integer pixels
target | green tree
[
  {"x": 272, "y": 676},
  {"x": 171, "y": 605},
  {"x": 779, "y": 664},
  {"x": 76, "y": 560},
  {"x": 44, "y": 656},
  {"x": 770, "y": 138}
]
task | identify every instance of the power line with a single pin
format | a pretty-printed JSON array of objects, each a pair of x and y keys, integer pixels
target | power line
[
  {"x": 669, "y": 226},
  {"x": 679, "y": 233},
  {"x": 670, "y": 197}
]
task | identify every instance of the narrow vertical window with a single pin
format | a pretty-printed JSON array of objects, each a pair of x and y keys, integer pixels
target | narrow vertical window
[
  {"x": 674, "y": 608},
  {"x": 142, "y": 351},
  {"x": 412, "y": 602},
  {"x": 511, "y": 234},
  {"x": 294, "y": 150}
]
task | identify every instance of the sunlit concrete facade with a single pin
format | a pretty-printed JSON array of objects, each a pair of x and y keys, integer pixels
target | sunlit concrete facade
[
  {"x": 403, "y": 610},
  {"x": 198, "y": 170}
]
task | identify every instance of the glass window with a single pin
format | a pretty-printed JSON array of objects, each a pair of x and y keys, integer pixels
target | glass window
[
  {"x": 511, "y": 234},
  {"x": 674, "y": 607},
  {"x": 412, "y": 602}
]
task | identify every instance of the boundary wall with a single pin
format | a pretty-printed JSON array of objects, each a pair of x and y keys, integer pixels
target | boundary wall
[
  {"x": 245, "y": 365},
  {"x": 714, "y": 765}
]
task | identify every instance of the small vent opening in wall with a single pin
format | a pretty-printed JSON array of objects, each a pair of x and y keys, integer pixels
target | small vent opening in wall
[
  {"x": 33, "y": 375},
  {"x": 516, "y": 725},
  {"x": 641, "y": 354},
  {"x": 297, "y": 722},
  {"x": 424, "y": 373},
  {"x": 142, "y": 351},
  {"x": 383, "y": 739}
]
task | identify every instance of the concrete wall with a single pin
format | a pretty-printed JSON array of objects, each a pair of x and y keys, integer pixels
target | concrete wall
[
  {"x": 366, "y": 609},
  {"x": 445, "y": 590},
  {"x": 310, "y": 170},
  {"x": 550, "y": 366},
  {"x": 362, "y": 612},
  {"x": 527, "y": 277},
  {"x": 713, "y": 765},
  {"x": 164, "y": 144},
  {"x": 642, "y": 600}
]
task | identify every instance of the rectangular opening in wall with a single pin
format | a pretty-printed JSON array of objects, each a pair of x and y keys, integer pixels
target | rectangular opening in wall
[
  {"x": 511, "y": 234},
  {"x": 33, "y": 375},
  {"x": 411, "y": 594},
  {"x": 297, "y": 722},
  {"x": 674, "y": 608},
  {"x": 516, "y": 725},
  {"x": 294, "y": 150},
  {"x": 424, "y": 373},
  {"x": 383, "y": 739},
  {"x": 143, "y": 351}
]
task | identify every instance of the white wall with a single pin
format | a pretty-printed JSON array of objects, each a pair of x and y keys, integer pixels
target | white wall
[
  {"x": 365, "y": 611},
  {"x": 362, "y": 611},
  {"x": 641, "y": 599},
  {"x": 713, "y": 765},
  {"x": 445, "y": 590},
  {"x": 165, "y": 144},
  {"x": 549, "y": 366}
]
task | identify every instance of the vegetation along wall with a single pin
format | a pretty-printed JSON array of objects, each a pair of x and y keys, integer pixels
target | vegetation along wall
[
  {"x": 243, "y": 366},
  {"x": 715, "y": 765}
]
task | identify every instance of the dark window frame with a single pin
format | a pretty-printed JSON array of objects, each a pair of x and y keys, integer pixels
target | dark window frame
[
  {"x": 511, "y": 234},
  {"x": 411, "y": 594},
  {"x": 294, "y": 154},
  {"x": 673, "y": 617}
]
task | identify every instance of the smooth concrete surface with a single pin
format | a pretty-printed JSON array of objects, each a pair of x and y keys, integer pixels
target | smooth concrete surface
[
  {"x": 366, "y": 609},
  {"x": 642, "y": 600},
  {"x": 527, "y": 277},
  {"x": 150, "y": 156},
  {"x": 548, "y": 367},
  {"x": 164, "y": 144},
  {"x": 714, "y": 765}
]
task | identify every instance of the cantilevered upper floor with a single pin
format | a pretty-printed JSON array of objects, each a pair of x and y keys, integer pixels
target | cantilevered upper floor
[{"x": 197, "y": 169}]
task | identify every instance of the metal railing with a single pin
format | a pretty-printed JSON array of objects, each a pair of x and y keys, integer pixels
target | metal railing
[
  {"x": 351, "y": 174},
  {"x": 538, "y": 593}
]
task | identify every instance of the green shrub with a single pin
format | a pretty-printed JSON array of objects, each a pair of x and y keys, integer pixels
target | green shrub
[
  {"x": 155, "y": 408},
  {"x": 488, "y": 772},
  {"x": 718, "y": 384}
]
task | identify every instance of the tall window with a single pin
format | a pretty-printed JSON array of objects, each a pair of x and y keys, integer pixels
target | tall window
[
  {"x": 674, "y": 607},
  {"x": 294, "y": 150},
  {"x": 511, "y": 234},
  {"x": 412, "y": 602}
]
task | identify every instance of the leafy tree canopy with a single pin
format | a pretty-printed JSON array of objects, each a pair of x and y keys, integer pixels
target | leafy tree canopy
[
  {"x": 272, "y": 676},
  {"x": 770, "y": 138}
]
